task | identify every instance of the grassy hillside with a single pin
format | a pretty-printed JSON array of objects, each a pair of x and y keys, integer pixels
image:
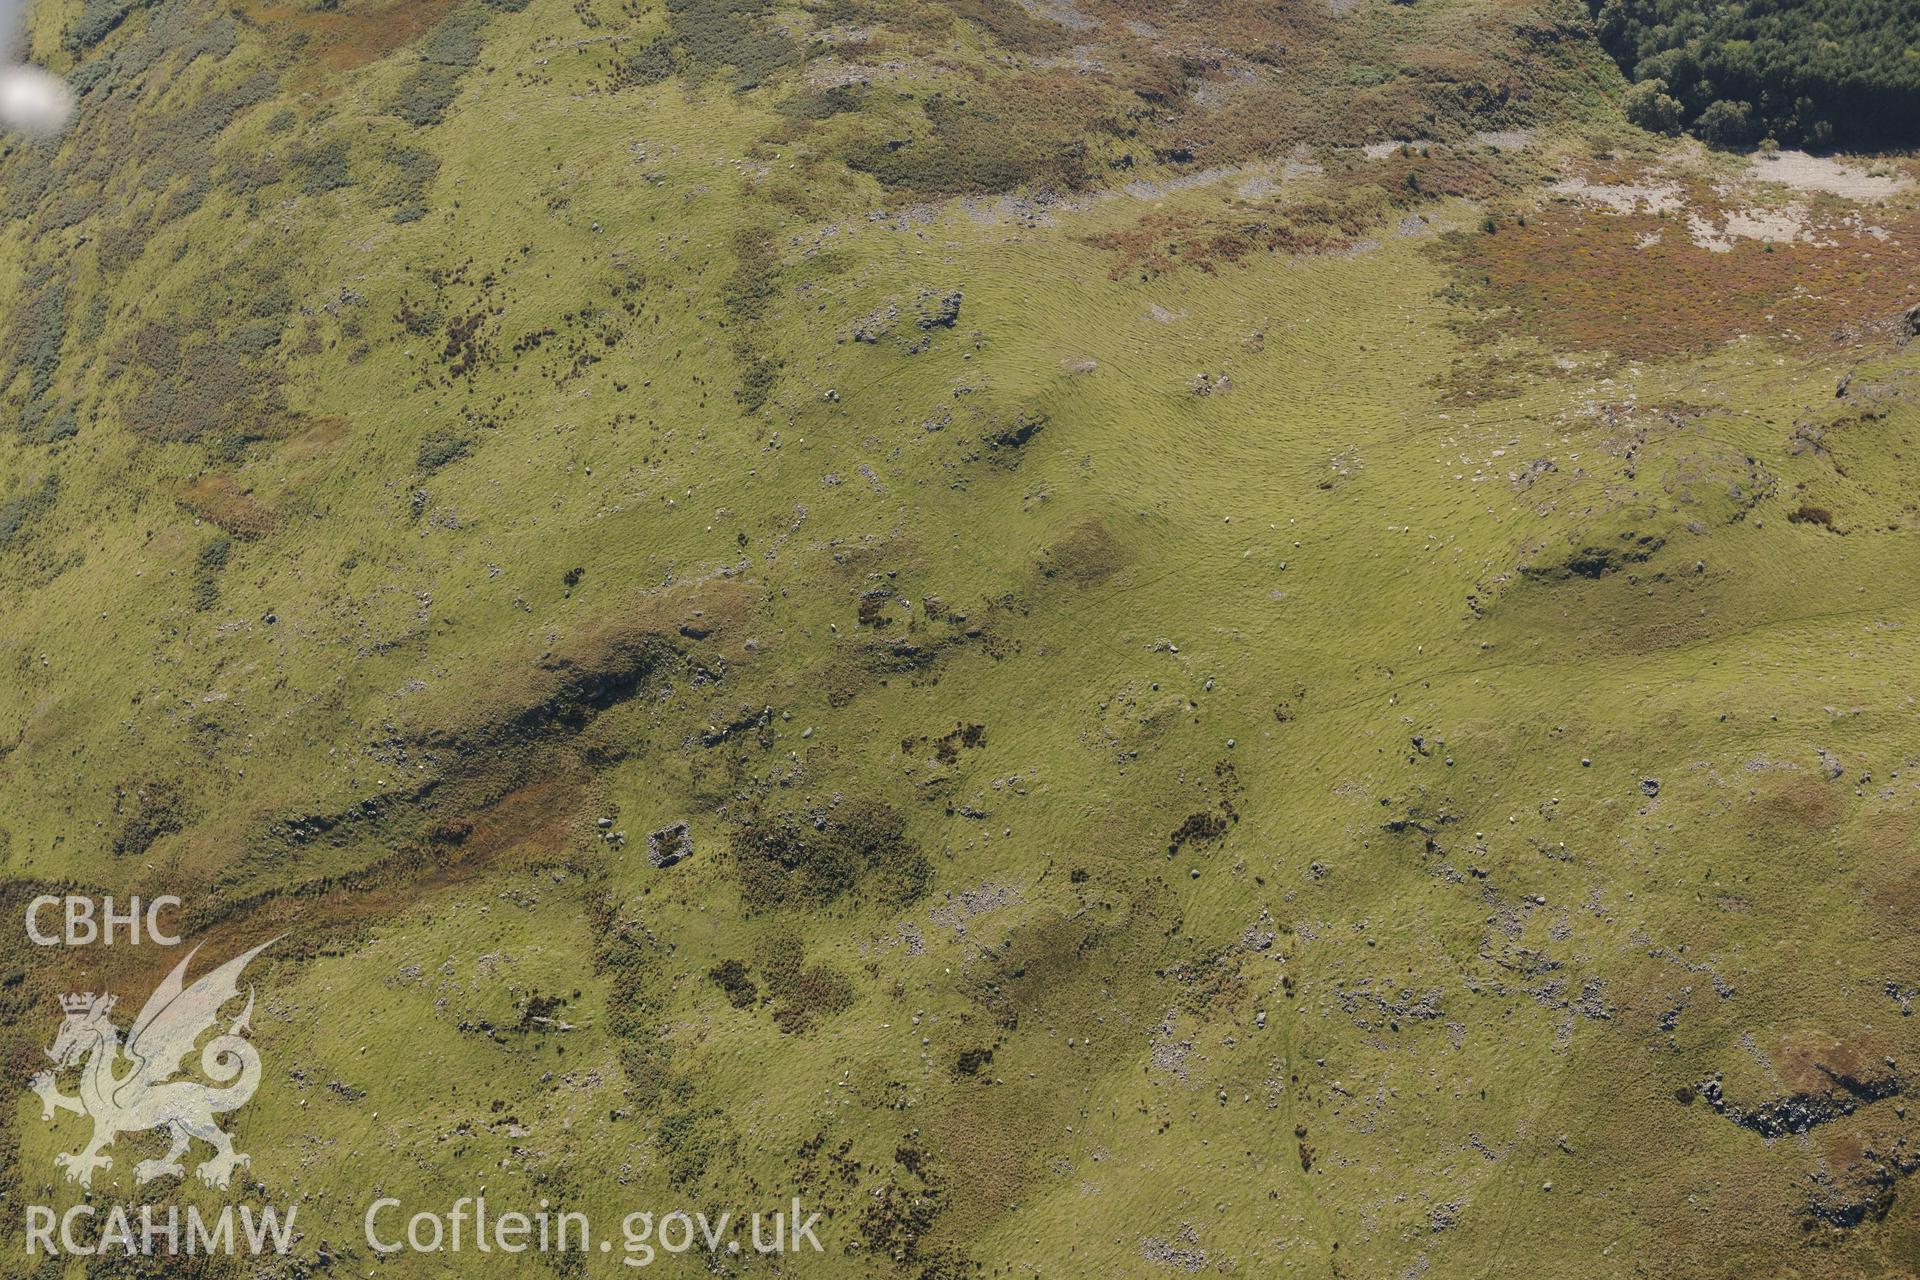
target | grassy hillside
[{"x": 1277, "y": 650}]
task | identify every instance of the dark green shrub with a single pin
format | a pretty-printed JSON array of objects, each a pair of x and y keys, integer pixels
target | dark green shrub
[
  {"x": 206, "y": 571},
  {"x": 41, "y": 423},
  {"x": 778, "y": 956},
  {"x": 731, "y": 977},
  {"x": 689, "y": 1139},
  {"x": 970, "y": 147},
  {"x": 795, "y": 860},
  {"x": 456, "y": 41},
  {"x": 1726, "y": 124},
  {"x": 38, "y": 337},
  {"x": 731, "y": 33},
  {"x": 255, "y": 338},
  {"x": 442, "y": 448},
  {"x": 427, "y": 94},
  {"x": 653, "y": 63},
  {"x": 18, "y": 512},
  {"x": 96, "y": 22},
  {"x": 326, "y": 170},
  {"x": 413, "y": 172}
]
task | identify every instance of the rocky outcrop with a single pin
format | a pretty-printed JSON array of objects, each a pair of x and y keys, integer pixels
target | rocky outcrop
[
  {"x": 944, "y": 313},
  {"x": 670, "y": 844},
  {"x": 1799, "y": 1112}
]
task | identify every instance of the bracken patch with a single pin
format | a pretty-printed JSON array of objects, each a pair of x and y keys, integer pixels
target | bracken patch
[
  {"x": 221, "y": 502},
  {"x": 1638, "y": 285}
]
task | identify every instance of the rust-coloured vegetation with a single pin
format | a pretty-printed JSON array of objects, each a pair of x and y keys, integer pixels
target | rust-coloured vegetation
[
  {"x": 221, "y": 502},
  {"x": 342, "y": 38},
  {"x": 1641, "y": 286}
]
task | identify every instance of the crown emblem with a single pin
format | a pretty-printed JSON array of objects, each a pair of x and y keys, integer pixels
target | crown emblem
[{"x": 81, "y": 1002}]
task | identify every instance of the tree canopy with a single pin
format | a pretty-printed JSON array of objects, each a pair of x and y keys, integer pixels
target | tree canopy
[{"x": 1808, "y": 72}]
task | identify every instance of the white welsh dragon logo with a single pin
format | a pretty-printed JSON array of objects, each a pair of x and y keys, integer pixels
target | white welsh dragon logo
[{"x": 146, "y": 1096}]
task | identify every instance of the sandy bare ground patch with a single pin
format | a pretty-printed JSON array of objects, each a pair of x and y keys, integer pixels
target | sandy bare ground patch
[
  {"x": 1804, "y": 172},
  {"x": 1718, "y": 217},
  {"x": 1770, "y": 226},
  {"x": 1623, "y": 197}
]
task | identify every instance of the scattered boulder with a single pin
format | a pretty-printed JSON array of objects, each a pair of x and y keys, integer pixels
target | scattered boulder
[
  {"x": 1913, "y": 320},
  {"x": 1650, "y": 787},
  {"x": 1183, "y": 1251},
  {"x": 944, "y": 314},
  {"x": 1830, "y": 765},
  {"x": 669, "y": 844},
  {"x": 877, "y": 325}
]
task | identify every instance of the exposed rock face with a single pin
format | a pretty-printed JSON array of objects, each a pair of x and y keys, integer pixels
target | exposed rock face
[
  {"x": 1016, "y": 433},
  {"x": 669, "y": 845},
  {"x": 1599, "y": 561},
  {"x": 1799, "y": 1112},
  {"x": 1863, "y": 1188}
]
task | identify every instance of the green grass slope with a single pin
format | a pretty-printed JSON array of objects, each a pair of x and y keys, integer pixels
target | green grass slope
[{"x": 1278, "y": 653}]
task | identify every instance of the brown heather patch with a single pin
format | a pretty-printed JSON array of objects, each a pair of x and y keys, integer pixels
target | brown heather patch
[
  {"x": 1291, "y": 68},
  {"x": 1201, "y": 86},
  {"x": 1262, "y": 32},
  {"x": 1857, "y": 1151},
  {"x": 1086, "y": 555},
  {"x": 316, "y": 436},
  {"x": 533, "y": 826},
  {"x": 925, "y": 22},
  {"x": 990, "y": 1137},
  {"x": 1846, "y": 1148},
  {"x": 1802, "y": 801},
  {"x": 1576, "y": 279},
  {"x": 1771, "y": 1182},
  {"x": 1811, "y": 1061},
  {"x": 1161, "y": 242},
  {"x": 221, "y": 502},
  {"x": 1047, "y": 980},
  {"x": 1010, "y": 23},
  {"x": 1351, "y": 202},
  {"x": 355, "y": 34},
  {"x": 1038, "y": 130},
  {"x": 532, "y": 822},
  {"x": 1889, "y": 867},
  {"x": 1620, "y": 613},
  {"x": 1256, "y": 121}
]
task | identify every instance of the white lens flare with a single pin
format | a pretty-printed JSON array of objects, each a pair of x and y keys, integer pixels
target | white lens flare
[{"x": 33, "y": 101}]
